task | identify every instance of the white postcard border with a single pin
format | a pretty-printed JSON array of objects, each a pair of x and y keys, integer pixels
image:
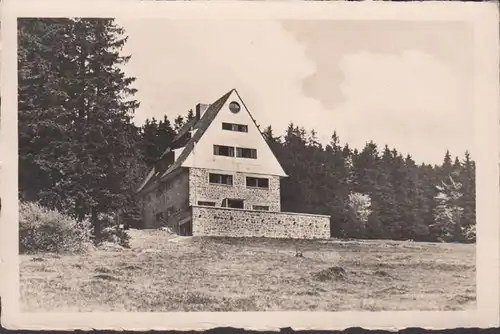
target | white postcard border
[{"x": 484, "y": 16}]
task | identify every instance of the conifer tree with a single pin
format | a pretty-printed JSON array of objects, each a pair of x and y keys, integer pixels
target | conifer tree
[
  {"x": 43, "y": 121},
  {"x": 446, "y": 168},
  {"x": 468, "y": 200},
  {"x": 91, "y": 143},
  {"x": 150, "y": 141},
  {"x": 178, "y": 123},
  {"x": 103, "y": 123}
]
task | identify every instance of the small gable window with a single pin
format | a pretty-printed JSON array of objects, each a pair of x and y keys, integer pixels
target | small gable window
[
  {"x": 226, "y": 151},
  {"x": 234, "y": 107},
  {"x": 249, "y": 153},
  {"x": 221, "y": 179},
  {"x": 235, "y": 127},
  {"x": 261, "y": 207}
]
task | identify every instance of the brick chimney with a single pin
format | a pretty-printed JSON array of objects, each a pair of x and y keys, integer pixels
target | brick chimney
[{"x": 200, "y": 110}]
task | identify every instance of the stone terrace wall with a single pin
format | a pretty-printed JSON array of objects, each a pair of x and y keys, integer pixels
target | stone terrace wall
[{"x": 226, "y": 222}]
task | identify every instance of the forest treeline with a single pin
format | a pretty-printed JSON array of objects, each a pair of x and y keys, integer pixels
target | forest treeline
[{"x": 81, "y": 153}]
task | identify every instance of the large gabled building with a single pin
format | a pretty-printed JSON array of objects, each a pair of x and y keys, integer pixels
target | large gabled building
[{"x": 220, "y": 177}]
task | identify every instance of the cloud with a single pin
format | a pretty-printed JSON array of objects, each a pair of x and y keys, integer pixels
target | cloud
[{"x": 409, "y": 101}]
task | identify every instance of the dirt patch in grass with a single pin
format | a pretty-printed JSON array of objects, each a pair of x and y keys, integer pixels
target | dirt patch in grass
[
  {"x": 382, "y": 273},
  {"x": 256, "y": 274},
  {"x": 103, "y": 270},
  {"x": 331, "y": 274},
  {"x": 131, "y": 267},
  {"x": 106, "y": 277}
]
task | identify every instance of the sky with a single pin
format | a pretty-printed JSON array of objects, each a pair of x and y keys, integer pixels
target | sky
[{"x": 404, "y": 84}]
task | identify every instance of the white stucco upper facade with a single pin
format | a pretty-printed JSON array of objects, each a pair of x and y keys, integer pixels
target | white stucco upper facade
[{"x": 202, "y": 156}]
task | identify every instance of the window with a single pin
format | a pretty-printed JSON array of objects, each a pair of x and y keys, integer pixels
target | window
[
  {"x": 234, "y": 127},
  {"x": 224, "y": 150},
  {"x": 221, "y": 179},
  {"x": 261, "y": 207},
  {"x": 234, "y": 107},
  {"x": 257, "y": 182},
  {"x": 249, "y": 153},
  {"x": 232, "y": 203},
  {"x": 206, "y": 203}
]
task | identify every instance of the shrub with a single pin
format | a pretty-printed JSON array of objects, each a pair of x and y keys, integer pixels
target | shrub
[
  {"x": 112, "y": 232},
  {"x": 358, "y": 213},
  {"x": 470, "y": 233},
  {"x": 448, "y": 214},
  {"x": 360, "y": 206},
  {"x": 45, "y": 230}
]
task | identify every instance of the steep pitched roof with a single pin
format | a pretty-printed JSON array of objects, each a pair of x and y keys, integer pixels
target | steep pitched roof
[
  {"x": 201, "y": 126},
  {"x": 169, "y": 162}
]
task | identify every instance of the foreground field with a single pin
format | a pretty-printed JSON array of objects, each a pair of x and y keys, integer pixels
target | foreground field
[{"x": 164, "y": 273}]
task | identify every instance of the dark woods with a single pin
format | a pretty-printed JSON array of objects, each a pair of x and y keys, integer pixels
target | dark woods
[
  {"x": 80, "y": 153},
  {"x": 376, "y": 193}
]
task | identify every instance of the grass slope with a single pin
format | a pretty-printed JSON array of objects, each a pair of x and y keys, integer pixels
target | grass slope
[{"x": 162, "y": 273}]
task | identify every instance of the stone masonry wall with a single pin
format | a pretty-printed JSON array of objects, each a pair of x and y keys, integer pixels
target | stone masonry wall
[
  {"x": 202, "y": 190},
  {"x": 227, "y": 222},
  {"x": 172, "y": 199}
]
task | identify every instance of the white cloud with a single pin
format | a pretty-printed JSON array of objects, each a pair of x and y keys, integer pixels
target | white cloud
[{"x": 409, "y": 101}]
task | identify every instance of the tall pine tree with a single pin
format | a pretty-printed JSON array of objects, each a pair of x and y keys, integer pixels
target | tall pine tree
[{"x": 83, "y": 111}]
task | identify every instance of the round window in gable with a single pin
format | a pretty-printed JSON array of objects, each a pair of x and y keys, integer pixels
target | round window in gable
[{"x": 234, "y": 107}]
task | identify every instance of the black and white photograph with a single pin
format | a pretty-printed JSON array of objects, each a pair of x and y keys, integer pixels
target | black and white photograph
[{"x": 238, "y": 163}]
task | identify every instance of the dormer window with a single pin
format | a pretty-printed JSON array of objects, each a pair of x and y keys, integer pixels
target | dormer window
[{"x": 234, "y": 107}]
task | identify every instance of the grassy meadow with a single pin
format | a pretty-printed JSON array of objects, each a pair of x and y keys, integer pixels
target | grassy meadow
[{"x": 162, "y": 273}]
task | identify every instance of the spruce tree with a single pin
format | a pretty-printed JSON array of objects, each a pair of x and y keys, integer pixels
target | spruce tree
[
  {"x": 104, "y": 119},
  {"x": 83, "y": 111},
  {"x": 446, "y": 169},
  {"x": 150, "y": 141},
  {"x": 468, "y": 200},
  {"x": 44, "y": 122}
]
